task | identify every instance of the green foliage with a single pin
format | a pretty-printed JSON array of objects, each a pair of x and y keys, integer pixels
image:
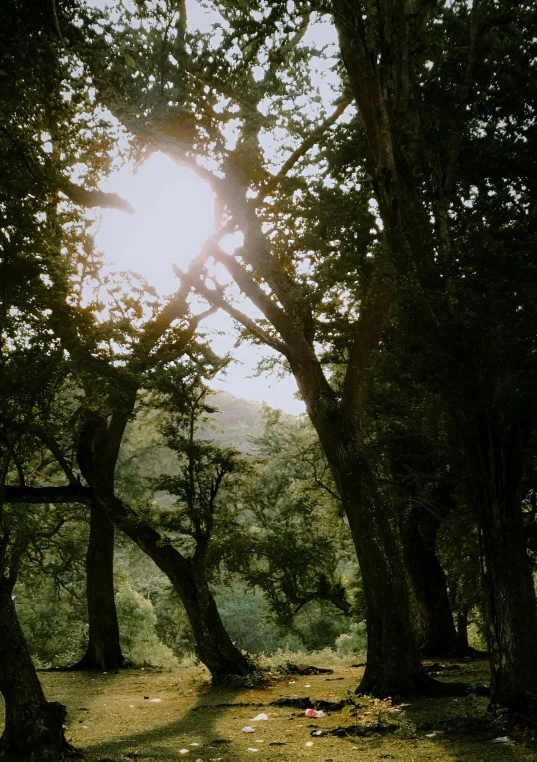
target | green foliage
[
  {"x": 353, "y": 642},
  {"x": 52, "y": 621},
  {"x": 172, "y": 626},
  {"x": 139, "y": 641},
  {"x": 247, "y": 619},
  {"x": 289, "y": 540}
]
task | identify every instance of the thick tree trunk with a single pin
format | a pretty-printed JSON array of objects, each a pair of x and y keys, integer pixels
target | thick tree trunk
[
  {"x": 103, "y": 651},
  {"x": 429, "y": 584},
  {"x": 393, "y": 664},
  {"x": 212, "y": 642},
  {"x": 34, "y": 726},
  {"x": 511, "y": 607}
]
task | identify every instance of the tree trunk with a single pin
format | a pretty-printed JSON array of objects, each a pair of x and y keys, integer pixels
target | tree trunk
[
  {"x": 34, "y": 726},
  {"x": 462, "y": 627},
  {"x": 212, "y": 642},
  {"x": 213, "y": 645},
  {"x": 430, "y": 590},
  {"x": 393, "y": 664},
  {"x": 510, "y": 606},
  {"x": 103, "y": 651}
]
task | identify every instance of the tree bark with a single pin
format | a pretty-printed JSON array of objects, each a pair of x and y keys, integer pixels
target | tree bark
[
  {"x": 212, "y": 642},
  {"x": 429, "y": 584},
  {"x": 34, "y": 726},
  {"x": 103, "y": 651},
  {"x": 462, "y": 626},
  {"x": 393, "y": 664},
  {"x": 510, "y": 606},
  {"x": 214, "y": 647}
]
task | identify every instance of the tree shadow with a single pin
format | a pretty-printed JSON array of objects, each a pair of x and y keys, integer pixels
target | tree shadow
[{"x": 197, "y": 725}]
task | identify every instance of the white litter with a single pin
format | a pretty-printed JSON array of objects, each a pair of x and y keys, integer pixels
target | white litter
[
  {"x": 430, "y": 735},
  {"x": 194, "y": 744},
  {"x": 184, "y": 751},
  {"x": 251, "y": 749},
  {"x": 261, "y": 716},
  {"x": 155, "y": 701},
  {"x": 501, "y": 739},
  {"x": 309, "y": 743},
  {"x": 247, "y": 729}
]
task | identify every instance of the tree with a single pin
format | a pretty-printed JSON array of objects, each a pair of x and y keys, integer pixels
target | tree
[
  {"x": 202, "y": 483},
  {"x": 33, "y": 726},
  {"x": 289, "y": 539},
  {"x": 432, "y": 98},
  {"x": 49, "y": 125},
  {"x": 218, "y": 86},
  {"x": 413, "y": 444}
]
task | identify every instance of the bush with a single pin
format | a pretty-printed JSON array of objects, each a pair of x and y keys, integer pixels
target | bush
[
  {"x": 172, "y": 625},
  {"x": 246, "y": 617},
  {"x": 352, "y": 642},
  {"x": 137, "y": 620},
  {"x": 53, "y": 623}
]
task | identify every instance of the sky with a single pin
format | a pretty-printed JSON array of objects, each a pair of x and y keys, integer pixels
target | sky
[{"x": 173, "y": 218}]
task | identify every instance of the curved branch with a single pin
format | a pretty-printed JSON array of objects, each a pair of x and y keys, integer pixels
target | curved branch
[{"x": 94, "y": 198}]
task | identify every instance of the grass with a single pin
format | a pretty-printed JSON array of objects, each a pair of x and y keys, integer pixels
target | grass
[{"x": 110, "y": 718}]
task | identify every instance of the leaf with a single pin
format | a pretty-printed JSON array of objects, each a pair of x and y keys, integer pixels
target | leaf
[{"x": 129, "y": 60}]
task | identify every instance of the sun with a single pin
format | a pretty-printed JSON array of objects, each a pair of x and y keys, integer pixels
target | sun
[{"x": 173, "y": 218}]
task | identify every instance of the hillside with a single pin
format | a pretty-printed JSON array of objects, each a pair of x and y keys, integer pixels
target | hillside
[{"x": 237, "y": 420}]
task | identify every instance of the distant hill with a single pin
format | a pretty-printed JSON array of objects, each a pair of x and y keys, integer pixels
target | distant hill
[{"x": 236, "y": 421}]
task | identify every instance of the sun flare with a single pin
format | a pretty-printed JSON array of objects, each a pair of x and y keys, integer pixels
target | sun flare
[{"x": 173, "y": 217}]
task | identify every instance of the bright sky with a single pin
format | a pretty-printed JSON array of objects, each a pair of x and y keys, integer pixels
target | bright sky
[{"x": 173, "y": 219}]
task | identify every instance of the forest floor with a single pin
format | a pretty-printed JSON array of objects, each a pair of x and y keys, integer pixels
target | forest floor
[{"x": 114, "y": 717}]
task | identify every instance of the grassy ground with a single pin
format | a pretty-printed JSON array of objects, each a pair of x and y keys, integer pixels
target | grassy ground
[{"x": 112, "y": 717}]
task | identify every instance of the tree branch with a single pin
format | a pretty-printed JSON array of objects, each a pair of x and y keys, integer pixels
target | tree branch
[
  {"x": 52, "y": 445},
  {"x": 367, "y": 337},
  {"x": 301, "y": 151},
  {"x": 176, "y": 152},
  {"x": 95, "y": 198},
  {"x": 274, "y": 314},
  {"x": 43, "y": 495},
  {"x": 217, "y": 300}
]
